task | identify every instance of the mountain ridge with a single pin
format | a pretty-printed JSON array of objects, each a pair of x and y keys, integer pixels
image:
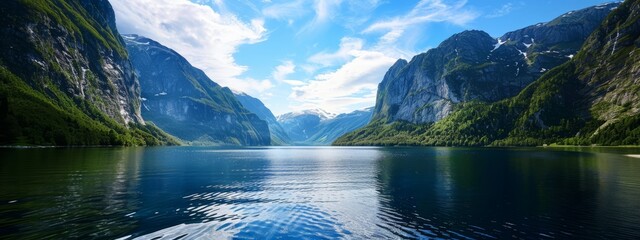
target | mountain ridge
[
  {"x": 591, "y": 99},
  {"x": 186, "y": 103},
  {"x": 473, "y": 66},
  {"x": 254, "y": 105},
  {"x": 318, "y": 127}
]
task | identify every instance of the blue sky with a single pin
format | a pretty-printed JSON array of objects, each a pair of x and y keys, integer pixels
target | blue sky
[{"x": 328, "y": 54}]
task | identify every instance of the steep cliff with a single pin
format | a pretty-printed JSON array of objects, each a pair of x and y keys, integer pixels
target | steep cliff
[
  {"x": 254, "y": 105},
  {"x": 472, "y": 66},
  {"x": 66, "y": 77},
  {"x": 183, "y": 101},
  {"x": 592, "y": 99}
]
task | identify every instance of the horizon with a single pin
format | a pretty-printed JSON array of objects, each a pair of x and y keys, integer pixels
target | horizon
[{"x": 329, "y": 56}]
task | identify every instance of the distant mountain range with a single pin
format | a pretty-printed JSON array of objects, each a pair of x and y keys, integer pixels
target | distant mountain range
[
  {"x": 573, "y": 80},
  {"x": 318, "y": 127}
]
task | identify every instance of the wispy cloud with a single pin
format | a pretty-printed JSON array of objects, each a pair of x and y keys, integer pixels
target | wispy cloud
[
  {"x": 424, "y": 12},
  {"x": 282, "y": 71},
  {"x": 345, "y": 52},
  {"x": 504, "y": 10},
  {"x": 358, "y": 69},
  {"x": 285, "y": 11},
  {"x": 349, "y": 86},
  {"x": 205, "y": 37}
]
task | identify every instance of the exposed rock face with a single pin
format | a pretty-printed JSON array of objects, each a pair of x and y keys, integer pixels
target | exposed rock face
[
  {"x": 66, "y": 78},
  {"x": 594, "y": 98},
  {"x": 84, "y": 58},
  {"x": 254, "y": 105},
  {"x": 472, "y": 66},
  {"x": 183, "y": 101}
]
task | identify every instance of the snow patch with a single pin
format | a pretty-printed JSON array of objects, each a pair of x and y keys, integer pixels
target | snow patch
[
  {"x": 497, "y": 45},
  {"x": 533, "y": 41},
  {"x": 523, "y": 54},
  {"x": 139, "y": 43}
]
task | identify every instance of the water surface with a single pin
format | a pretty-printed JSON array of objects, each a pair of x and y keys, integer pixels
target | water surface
[{"x": 319, "y": 193}]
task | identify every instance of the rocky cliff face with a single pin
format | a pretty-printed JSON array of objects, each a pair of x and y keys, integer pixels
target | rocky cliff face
[
  {"x": 254, "y": 105},
  {"x": 472, "y": 66},
  {"x": 67, "y": 59},
  {"x": 183, "y": 101},
  {"x": 81, "y": 54},
  {"x": 594, "y": 98}
]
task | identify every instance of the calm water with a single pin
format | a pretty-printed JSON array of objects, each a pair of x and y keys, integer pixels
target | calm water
[{"x": 317, "y": 193}]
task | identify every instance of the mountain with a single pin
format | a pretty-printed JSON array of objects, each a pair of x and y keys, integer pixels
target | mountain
[
  {"x": 183, "y": 101},
  {"x": 318, "y": 127},
  {"x": 331, "y": 129},
  {"x": 472, "y": 66},
  {"x": 592, "y": 99},
  {"x": 300, "y": 126},
  {"x": 66, "y": 78},
  {"x": 254, "y": 105}
]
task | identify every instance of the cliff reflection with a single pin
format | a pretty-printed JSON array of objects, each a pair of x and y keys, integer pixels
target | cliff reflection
[
  {"x": 479, "y": 193},
  {"x": 52, "y": 193}
]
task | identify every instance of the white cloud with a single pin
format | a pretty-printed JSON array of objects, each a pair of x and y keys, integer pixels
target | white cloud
[
  {"x": 504, "y": 10},
  {"x": 283, "y": 70},
  {"x": 347, "y": 49},
  {"x": 325, "y": 8},
  {"x": 424, "y": 12},
  {"x": 206, "y": 38},
  {"x": 294, "y": 82},
  {"x": 351, "y": 85},
  {"x": 287, "y": 10}
]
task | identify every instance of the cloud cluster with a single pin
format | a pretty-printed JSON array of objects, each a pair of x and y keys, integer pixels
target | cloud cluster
[
  {"x": 502, "y": 11},
  {"x": 206, "y": 38},
  {"x": 425, "y": 11},
  {"x": 354, "y": 82}
]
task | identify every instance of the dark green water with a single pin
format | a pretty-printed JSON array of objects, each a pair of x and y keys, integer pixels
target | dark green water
[{"x": 316, "y": 193}]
